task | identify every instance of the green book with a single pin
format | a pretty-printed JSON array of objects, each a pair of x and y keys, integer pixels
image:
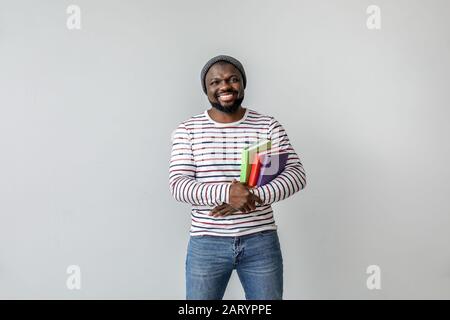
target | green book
[{"x": 248, "y": 157}]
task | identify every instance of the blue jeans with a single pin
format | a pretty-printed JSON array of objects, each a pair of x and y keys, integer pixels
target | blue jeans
[{"x": 256, "y": 257}]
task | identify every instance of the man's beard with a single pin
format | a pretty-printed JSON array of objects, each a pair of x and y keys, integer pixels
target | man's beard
[{"x": 231, "y": 109}]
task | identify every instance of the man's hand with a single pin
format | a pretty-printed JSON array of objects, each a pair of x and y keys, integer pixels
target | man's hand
[
  {"x": 241, "y": 198},
  {"x": 239, "y": 193},
  {"x": 223, "y": 210}
]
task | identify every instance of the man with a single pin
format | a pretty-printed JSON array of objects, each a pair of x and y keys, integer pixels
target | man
[{"x": 232, "y": 225}]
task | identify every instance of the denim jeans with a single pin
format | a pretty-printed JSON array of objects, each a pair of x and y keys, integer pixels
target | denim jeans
[{"x": 256, "y": 257}]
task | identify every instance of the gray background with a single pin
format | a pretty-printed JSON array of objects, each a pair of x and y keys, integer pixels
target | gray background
[{"x": 86, "y": 118}]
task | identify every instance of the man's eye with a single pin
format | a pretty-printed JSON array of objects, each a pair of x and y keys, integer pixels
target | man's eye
[
  {"x": 234, "y": 79},
  {"x": 214, "y": 83}
]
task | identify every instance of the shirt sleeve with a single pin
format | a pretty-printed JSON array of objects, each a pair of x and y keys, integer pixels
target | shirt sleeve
[
  {"x": 182, "y": 178},
  {"x": 292, "y": 179}
]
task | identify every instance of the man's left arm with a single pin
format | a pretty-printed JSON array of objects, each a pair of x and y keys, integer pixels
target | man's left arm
[{"x": 292, "y": 179}]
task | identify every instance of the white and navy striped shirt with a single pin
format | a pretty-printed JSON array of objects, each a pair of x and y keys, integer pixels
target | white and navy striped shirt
[{"x": 206, "y": 156}]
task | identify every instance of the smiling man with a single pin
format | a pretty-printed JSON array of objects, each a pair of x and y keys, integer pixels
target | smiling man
[{"x": 232, "y": 225}]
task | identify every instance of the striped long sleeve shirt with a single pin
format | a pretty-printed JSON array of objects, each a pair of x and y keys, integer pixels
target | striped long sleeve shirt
[{"x": 206, "y": 157}]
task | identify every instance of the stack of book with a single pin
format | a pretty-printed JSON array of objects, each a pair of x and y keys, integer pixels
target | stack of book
[{"x": 260, "y": 164}]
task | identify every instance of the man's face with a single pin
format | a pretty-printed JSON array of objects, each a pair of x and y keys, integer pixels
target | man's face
[{"x": 224, "y": 87}]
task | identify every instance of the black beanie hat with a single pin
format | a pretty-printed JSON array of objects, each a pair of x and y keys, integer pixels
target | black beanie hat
[{"x": 225, "y": 58}]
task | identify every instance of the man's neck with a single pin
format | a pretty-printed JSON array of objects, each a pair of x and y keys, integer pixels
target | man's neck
[{"x": 223, "y": 117}]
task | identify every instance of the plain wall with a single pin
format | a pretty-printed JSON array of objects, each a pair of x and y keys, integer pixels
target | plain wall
[{"x": 86, "y": 118}]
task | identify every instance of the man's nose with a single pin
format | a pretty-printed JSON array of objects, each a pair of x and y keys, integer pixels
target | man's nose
[{"x": 225, "y": 86}]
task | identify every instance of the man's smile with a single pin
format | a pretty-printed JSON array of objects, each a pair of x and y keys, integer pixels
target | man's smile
[{"x": 226, "y": 97}]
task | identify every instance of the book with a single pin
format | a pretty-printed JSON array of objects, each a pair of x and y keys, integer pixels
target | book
[
  {"x": 248, "y": 157},
  {"x": 254, "y": 174},
  {"x": 272, "y": 163}
]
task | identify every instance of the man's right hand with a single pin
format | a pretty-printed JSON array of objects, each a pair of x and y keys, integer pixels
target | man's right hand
[{"x": 241, "y": 198}]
